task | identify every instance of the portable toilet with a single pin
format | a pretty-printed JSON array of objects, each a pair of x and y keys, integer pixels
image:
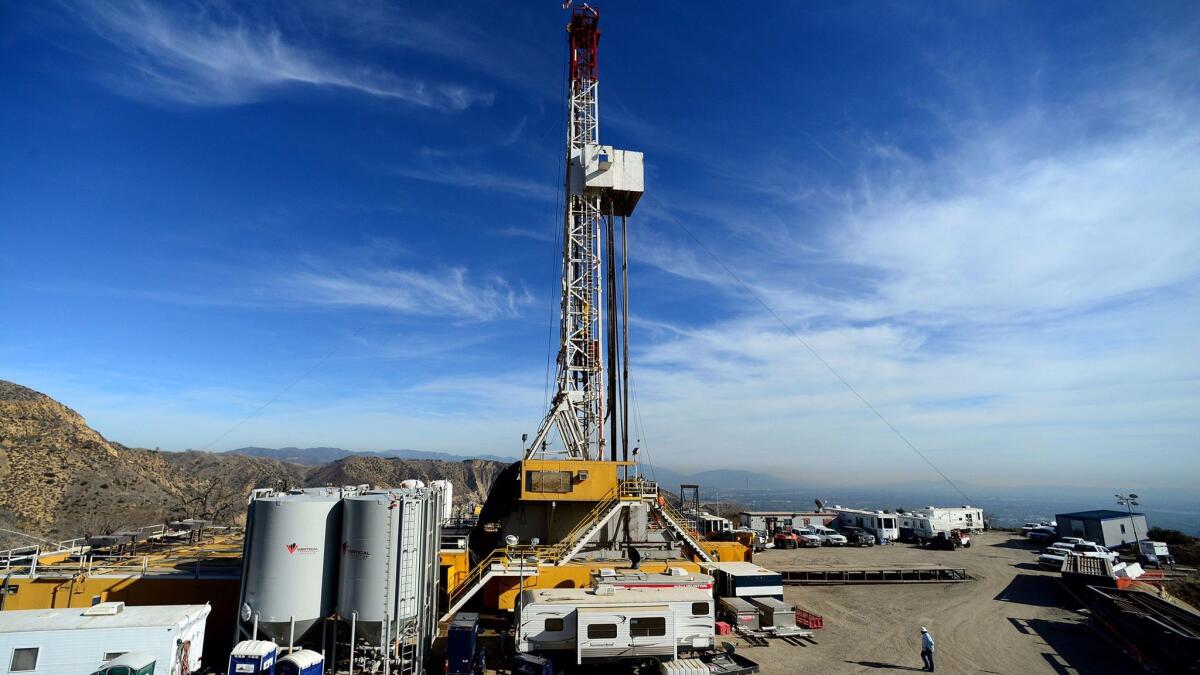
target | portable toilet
[
  {"x": 253, "y": 657},
  {"x": 129, "y": 663},
  {"x": 300, "y": 662}
]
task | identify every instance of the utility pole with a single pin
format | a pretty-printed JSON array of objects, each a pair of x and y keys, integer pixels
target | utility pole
[{"x": 603, "y": 185}]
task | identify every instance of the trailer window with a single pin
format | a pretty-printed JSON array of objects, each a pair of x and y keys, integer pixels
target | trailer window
[
  {"x": 699, "y": 608},
  {"x": 602, "y": 631},
  {"x": 548, "y": 481},
  {"x": 647, "y": 626},
  {"x": 23, "y": 659},
  {"x": 554, "y": 625}
]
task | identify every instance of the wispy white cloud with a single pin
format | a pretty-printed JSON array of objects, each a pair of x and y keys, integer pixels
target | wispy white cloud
[
  {"x": 212, "y": 55},
  {"x": 447, "y": 292},
  {"x": 477, "y": 179}
]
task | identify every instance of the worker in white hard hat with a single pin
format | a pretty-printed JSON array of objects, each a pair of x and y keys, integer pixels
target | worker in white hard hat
[{"x": 927, "y": 649}]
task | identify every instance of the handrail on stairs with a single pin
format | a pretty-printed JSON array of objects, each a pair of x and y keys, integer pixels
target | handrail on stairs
[
  {"x": 629, "y": 489},
  {"x": 680, "y": 521}
]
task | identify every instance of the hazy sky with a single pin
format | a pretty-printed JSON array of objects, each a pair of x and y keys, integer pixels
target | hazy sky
[{"x": 985, "y": 216}]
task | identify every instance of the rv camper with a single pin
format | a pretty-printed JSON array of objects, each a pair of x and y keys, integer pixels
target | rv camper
[
  {"x": 882, "y": 525},
  {"x": 609, "y": 624}
]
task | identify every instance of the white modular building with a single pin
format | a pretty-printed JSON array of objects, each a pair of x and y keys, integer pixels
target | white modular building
[
  {"x": 606, "y": 624},
  {"x": 76, "y": 641},
  {"x": 769, "y": 521}
]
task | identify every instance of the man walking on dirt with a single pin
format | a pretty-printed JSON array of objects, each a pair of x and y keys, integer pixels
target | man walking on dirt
[{"x": 927, "y": 649}]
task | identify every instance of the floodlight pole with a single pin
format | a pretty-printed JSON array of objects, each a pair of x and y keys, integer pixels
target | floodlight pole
[{"x": 1129, "y": 501}]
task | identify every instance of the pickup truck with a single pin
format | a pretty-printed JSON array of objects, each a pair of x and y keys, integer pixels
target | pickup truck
[
  {"x": 858, "y": 537},
  {"x": 1053, "y": 557}
]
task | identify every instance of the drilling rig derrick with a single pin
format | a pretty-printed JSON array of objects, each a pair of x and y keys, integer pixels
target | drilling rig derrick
[{"x": 603, "y": 185}]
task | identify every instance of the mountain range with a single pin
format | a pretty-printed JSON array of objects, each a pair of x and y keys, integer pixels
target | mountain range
[{"x": 322, "y": 455}]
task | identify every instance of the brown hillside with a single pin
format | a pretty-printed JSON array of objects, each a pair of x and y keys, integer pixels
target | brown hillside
[
  {"x": 59, "y": 478},
  {"x": 472, "y": 479}
]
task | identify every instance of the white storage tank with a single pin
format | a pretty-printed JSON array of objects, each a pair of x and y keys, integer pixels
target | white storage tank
[
  {"x": 381, "y": 566},
  {"x": 289, "y": 580},
  {"x": 447, "y": 497},
  {"x": 411, "y": 484}
]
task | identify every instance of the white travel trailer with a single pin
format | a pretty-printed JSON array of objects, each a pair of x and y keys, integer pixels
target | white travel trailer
[
  {"x": 882, "y": 525},
  {"x": 74, "y": 640},
  {"x": 608, "y": 624},
  {"x": 946, "y": 518}
]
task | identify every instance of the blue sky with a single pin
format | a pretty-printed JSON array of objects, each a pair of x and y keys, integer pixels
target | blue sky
[{"x": 985, "y": 216}]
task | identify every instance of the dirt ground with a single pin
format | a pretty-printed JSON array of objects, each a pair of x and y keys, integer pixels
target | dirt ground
[{"x": 1011, "y": 619}]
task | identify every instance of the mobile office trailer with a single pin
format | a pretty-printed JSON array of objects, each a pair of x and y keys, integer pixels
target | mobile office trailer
[
  {"x": 739, "y": 613},
  {"x": 73, "y": 640},
  {"x": 769, "y": 521},
  {"x": 882, "y": 525},
  {"x": 610, "y": 624},
  {"x": 744, "y": 580},
  {"x": 774, "y": 612}
]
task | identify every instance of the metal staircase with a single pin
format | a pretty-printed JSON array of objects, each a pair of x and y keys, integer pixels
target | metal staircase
[{"x": 680, "y": 524}]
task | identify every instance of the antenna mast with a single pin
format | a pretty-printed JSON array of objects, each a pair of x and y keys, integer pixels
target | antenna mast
[{"x": 603, "y": 185}]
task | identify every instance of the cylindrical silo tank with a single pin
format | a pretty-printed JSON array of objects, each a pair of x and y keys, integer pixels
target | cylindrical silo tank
[
  {"x": 370, "y": 540},
  {"x": 447, "y": 497},
  {"x": 290, "y": 578}
]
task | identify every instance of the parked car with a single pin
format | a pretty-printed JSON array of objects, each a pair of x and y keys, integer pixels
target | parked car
[
  {"x": 858, "y": 537},
  {"x": 1074, "y": 540},
  {"x": 1053, "y": 558},
  {"x": 1058, "y": 547},
  {"x": 808, "y": 538},
  {"x": 1030, "y": 527},
  {"x": 1043, "y": 533},
  {"x": 828, "y": 536}
]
